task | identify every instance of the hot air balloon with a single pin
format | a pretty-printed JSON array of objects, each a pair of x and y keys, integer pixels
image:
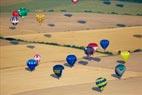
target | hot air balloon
[
  {"x": 57, "y": 69},
  {"x": 93, "y": 45},
  {"x": 71, "y": 59},
  {"x": 120, "y": 69},
  {"x": 125, "y": 55},
  {"x": 40, "y": 17},
  {"x": 89, "y": 51},
  {"x": 14, "y": 20},
  {"x": 23, "y": 12},
  {"x": 104, "y": 43},
  {"x": 31, "y": 63},
  {"x": 15, "y": 13},
  {"x": 75, "y": 1},
  {"x": 101, "y": 83},
  {"x": 37, "y": 57}
]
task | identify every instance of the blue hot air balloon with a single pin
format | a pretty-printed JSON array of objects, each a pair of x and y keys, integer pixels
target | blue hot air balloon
[
  {"x": 89, "y": 51},
  {"x": 31, "y": 63},
  {"x": 120, "y": 69},
  {"x": 104, "y": 43},
  {"x": 58, "y": 69},
  {"x": 71, "y": 59}
]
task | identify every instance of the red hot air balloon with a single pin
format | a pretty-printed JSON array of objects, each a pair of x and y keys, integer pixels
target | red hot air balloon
[
  {"x": 37, "y": 57},
  {"x": 93, "y": 45},
  {"x": 74, "y": 1},
  {"x": 15, "y": 13}
]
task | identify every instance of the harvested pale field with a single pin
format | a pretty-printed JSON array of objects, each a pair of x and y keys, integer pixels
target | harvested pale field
[
  {"x": 120, "y": 38},
  {"x": 29, "y": 25},
  {"x": 15, "y": 79}
]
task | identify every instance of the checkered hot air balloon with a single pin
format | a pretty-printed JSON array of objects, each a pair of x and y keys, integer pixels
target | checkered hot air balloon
[
  {"x": 101, "y": 83},
  {"x": 14, "y": 20},
  {"x": 37, "y": 57}
]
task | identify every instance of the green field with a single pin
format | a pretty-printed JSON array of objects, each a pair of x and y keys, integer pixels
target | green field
[{"x": 84, "y": 5}]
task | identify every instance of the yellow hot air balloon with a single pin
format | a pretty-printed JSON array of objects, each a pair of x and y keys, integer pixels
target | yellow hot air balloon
[
  {"x": 125, "y": 55},
  {"x": 40, "y": 17}
]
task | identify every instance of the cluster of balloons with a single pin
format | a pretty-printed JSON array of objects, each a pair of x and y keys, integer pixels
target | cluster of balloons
[
  {"x": 22, "y": 12},
  {"x": 58, "y": 69},
  {"x": 92, "y": 47},
  {"x": 33, "y": 63},
  {"x": 71, "y": 59}
]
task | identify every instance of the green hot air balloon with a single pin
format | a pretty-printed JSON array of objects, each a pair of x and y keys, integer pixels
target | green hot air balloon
[
  {"x": 23, "y": 12},
  {"x": 101, "y": 83}
]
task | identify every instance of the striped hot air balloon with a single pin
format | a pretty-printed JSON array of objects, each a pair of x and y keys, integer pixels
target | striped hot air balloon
[
  {"x": 14, "y": 20},
  {"x": 101, "y": 83}
]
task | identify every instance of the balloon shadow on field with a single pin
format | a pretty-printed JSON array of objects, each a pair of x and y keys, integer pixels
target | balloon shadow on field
[
  {"x": 83, "y": 62},
  {"x": 120, "y": 61},
  {"x": 97, "y": 59},
  {"x": 67, "y": 65},
  {"x": 12, "y": 27},
  {"x": 27, "y": 69},
  {"x": 96, "y": 89},
  {"x": 115, "y": 76},
  {"x": 54, "y": 76}
]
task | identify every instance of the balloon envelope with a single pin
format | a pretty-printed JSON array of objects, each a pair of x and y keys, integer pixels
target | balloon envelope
[
  {"x": 71, "y": 59},
  {"x": 40, "y": 17},
  {"x": 93, "y": 45},
  {"x": 101, "y": 83},
  {"x": 14, "y": 20},
  {"x": 31, "y": 63},
  {"x": 104, "y": 43},
  {"x": 15, "y": 13},
  {"x": 57, "y": 69},
  {"x": 89, "y": 51},
  {"x": 37, "y": 57},
  {"x": 125, "y": 55},
  {"x": 75, "y": 1},
  {"x": 120, "y": 69},
  {"x": 23, "y": 12}
]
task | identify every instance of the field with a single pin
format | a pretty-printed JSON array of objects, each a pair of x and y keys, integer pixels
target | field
[
  {"x": 66, "y": 5},
  {"x": 55, "y": 42}
]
